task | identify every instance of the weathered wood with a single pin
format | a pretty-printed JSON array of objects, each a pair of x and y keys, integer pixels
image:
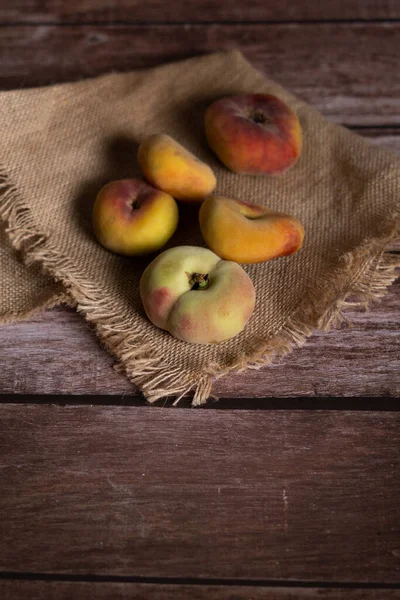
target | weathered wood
[
  {"x": 147, "y": 492},
  {"x": 345, "y": 70},
  {"x": 49, "y": 590},
  {"x": 56, "y": 352},
  {"x": 84, "y": 11},
  {"x": 268, "y": 496},
  {"x": 388, "y": 138}
]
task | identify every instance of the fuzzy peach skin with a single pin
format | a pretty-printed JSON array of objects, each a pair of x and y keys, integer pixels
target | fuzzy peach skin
[
  {"x": 130, "y": 217},
  {"x": 248, "y": 233},
  {"x": 254, "y": 134},
  {"x": 174, "y": 299},
  {"x": 170, "y": 167}
]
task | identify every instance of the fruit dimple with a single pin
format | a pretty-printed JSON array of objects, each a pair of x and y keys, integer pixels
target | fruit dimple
[
  {"x": 134, "y": 203},
  {"x": 250, "y": 211},
  {"x": 258, "y": 117}
]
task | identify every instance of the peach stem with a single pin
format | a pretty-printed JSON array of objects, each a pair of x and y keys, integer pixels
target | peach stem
[{"x": 198, "y": 281}]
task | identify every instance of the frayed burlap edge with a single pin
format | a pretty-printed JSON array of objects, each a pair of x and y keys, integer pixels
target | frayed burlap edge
[
  {"x": 45, "y": 303},
  {"x": 361, "y": 277}
]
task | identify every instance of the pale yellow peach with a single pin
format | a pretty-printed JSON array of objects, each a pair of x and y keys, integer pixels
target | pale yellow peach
[{"x": 196, "y": 296}]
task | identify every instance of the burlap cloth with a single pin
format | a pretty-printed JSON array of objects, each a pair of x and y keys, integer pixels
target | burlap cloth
[{"x": 59, "y": 144}]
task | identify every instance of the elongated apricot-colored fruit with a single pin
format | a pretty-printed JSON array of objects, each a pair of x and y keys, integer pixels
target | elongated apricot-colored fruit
[
  {"x": 170, "y": 167},
  {"x": 248, "y": 233}
]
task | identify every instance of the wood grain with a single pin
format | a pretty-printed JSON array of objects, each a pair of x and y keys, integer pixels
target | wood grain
[
  {"x": 388, "y": 138},
  {"x": 292, "y": 501},
  {"x": 57, "y": 353},
  {"x": 345, "y": 70},
  {"x": 49, "y": 590},
  {"x": 194, "y": 10},
  {"x": 147, "y": 492}
]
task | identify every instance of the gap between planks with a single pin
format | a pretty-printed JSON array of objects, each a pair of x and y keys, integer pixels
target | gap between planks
[{"x": 47, "y": 590}]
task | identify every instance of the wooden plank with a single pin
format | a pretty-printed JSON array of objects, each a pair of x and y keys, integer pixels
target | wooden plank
[
  {"x": 346, "y": 71},
  {"x": 57, "y": 353},
  {"x": 49, "y": 590},
  {"x": 147, "y": 492},
  {"x": 388, "y": 138},
  {"x": 194, "y": 11}
]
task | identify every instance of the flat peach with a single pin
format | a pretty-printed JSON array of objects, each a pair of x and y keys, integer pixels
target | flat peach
[
  {"x": 254, "y": 134},
  {"x": 196, "y": 296},
  {"x": 248, "y": 233},
  {"x": 167, "y": 165},
  {"x": 130, "y": 217}
]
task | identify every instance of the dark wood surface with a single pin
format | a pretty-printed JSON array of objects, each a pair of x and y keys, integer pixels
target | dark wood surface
[
  {"x": 249, "y": 495},
  {"x": 293, "y": 495},
  {"x": 49, "y": 590},
  {"x": 57, "y": 353},
  {"x": 348, "y": 71},
  {"x": 104, "y": 590},
  {"x": 205, "y": 11}
]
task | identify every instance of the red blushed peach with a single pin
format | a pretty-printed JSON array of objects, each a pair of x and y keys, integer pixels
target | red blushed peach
[
  {"x": 170, "y": 167},
  {"x": 254, "y": 134},
  {"x": 130, "y": 217},
  {"x": 248, "y": 233},
  {"x": 196, "y": 296}
]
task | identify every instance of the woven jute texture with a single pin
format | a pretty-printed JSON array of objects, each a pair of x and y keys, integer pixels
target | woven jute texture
[
  {"x": 60, "y": 144},
  {"x": 23, "y": 291}
]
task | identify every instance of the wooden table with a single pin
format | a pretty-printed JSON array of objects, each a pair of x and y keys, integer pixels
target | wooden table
[{"x": 289, "y": 486}]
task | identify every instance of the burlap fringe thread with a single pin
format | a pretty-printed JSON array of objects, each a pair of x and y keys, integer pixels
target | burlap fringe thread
[
  {"x": 362, "y": 277},
  {"x": 62, "y": 299}
]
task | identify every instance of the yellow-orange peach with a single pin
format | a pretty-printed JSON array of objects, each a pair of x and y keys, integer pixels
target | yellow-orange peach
[
  {"x": 248, "y": 233},
  {"x": 196, "y": 296},
  {"x": 254, "y": 134},
  {"x": 130, "y": 217},
  {"x": 170, "y": 167}
]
